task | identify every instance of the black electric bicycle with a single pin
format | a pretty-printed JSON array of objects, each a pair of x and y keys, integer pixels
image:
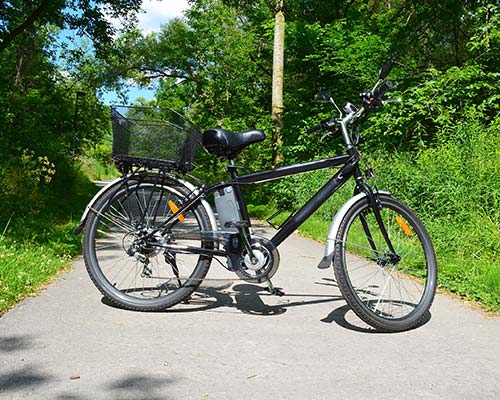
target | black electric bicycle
[{"x": 150, "y": 236}]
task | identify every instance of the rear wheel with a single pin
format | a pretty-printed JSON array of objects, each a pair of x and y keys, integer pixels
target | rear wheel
[
  {"x": 137, "y": 273},
  {"x": 391, "y": 291}
]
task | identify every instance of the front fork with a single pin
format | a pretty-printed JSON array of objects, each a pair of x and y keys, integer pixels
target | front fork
[{"x": 362, "y": 186}]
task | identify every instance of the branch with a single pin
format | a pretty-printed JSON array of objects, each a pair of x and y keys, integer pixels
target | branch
[
  {"x": 254, "y": 59},
  {"x": 7, "y": 40},
  {"x": 161, "y": 74}
]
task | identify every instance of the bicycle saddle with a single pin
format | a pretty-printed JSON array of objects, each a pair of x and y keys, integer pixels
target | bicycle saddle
[{"x": 229, "y": 144}]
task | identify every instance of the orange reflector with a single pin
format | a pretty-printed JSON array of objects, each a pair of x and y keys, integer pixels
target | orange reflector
[
  {"x": 404, "y": 226},
  {"x": 174, "y": 209}
]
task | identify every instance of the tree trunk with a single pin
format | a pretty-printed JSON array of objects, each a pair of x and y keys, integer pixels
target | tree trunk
[{"x": 277, "y": 93}]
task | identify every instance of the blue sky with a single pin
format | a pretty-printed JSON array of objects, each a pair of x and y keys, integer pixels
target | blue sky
[{"x": 155, "y": 14}]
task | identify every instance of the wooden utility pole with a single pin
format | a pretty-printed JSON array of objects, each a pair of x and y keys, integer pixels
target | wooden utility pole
[{"x": 278, "y": 71}]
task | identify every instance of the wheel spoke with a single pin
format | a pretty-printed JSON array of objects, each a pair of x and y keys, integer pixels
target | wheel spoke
[
  {"x": 134, "y": 273},
  {"x": 379, "y": 287}
]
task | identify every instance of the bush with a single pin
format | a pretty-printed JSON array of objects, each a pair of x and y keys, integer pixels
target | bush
[
  {"x": 453, "y": 187},
  {"x": 24, "y": 182}
]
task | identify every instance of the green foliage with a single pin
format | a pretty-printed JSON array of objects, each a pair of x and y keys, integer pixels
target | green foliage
[
  {"x": 40, "y": 129},
  {"x": 17, "y": 17},
  {"x": 35, "y": 248},
  {"x": 433, "y": 106},
  {"x": 24, "y": 180},
  {"x": 437, "y": 150}
]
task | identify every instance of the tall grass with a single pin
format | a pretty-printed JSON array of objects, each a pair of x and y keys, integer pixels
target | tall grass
[
  {"x": 35, "y": 247},
  {"x": 454, "y": 188}
]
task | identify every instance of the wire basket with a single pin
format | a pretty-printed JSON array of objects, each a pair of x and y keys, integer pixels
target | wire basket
[{"x": 154, "y": 137}]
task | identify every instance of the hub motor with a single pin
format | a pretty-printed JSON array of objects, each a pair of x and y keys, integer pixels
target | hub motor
[{"x": 265, "y": 264}]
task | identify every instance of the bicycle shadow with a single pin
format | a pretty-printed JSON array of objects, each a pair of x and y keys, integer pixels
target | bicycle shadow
[
  {"x": 248, "y": 298},
  {"x": 340, "y": 316}
]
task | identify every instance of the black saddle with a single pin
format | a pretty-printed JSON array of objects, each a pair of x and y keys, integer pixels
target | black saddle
[{"x": 229, "y": 144}]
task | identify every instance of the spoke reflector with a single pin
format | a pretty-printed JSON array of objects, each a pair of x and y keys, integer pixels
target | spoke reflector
[
  {"x": 404, "y": 226},
  {"x": 174, "y": 209}
]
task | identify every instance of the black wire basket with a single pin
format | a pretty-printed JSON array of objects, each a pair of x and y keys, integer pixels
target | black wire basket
[{"x": 153, "y": 137}]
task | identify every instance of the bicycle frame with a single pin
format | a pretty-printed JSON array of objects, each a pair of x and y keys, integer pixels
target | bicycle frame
[
  {"x": 350, "y": 168},
  {"x": 295, "y": 220}
]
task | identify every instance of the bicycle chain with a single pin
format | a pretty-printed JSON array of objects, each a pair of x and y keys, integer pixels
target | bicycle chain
[{"x": 196, "y": 279}]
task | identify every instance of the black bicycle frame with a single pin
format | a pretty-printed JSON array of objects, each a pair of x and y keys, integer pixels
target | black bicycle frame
[{"x": 349, "y": 163}]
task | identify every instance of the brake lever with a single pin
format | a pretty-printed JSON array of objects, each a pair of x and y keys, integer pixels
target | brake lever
[
  {"x": 396, "y": 100},
  {"x": 325, "y": 136}
]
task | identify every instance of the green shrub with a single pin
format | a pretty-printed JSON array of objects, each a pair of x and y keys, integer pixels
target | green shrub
[{"x": 454, "y": 187}]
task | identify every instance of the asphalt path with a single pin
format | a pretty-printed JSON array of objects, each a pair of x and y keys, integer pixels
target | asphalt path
[{"x": 235, "y": 341}]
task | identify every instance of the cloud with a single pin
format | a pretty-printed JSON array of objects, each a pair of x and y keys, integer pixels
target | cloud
[
  {"x": 159, "y": 12},
  {"x": 155, "y": 13}
]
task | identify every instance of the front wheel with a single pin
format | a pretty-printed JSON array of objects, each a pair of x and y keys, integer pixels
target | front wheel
[{"x": 391, "y": 290}]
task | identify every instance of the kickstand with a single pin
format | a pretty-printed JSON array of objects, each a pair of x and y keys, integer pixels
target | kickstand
[{"x": 274, "y": 291}]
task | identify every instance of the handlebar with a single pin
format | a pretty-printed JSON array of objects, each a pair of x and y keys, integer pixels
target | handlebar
[
  {"x": 326, "y": 125},
  {"x": 387, "y": 85},
  {"x": 370, "y": 100}
]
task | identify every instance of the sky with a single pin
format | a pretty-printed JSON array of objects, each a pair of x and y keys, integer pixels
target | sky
[
  {"x": 155, "y": 14},
  {"x": 159, "y": 12}
]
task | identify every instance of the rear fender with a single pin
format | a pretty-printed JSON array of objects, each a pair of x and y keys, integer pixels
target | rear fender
[{"x": 117, "y": 182}]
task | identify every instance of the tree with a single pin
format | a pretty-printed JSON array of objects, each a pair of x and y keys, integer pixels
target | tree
[
  {"x": 87, "y": 17},
  {"x": 278, "y": 75},
  {"x": 38, "y": 95}
]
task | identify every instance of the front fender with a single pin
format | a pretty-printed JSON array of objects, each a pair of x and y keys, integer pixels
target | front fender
[
  {"x": 334, "y": 228},
  {"x": 118, "y": 181}
]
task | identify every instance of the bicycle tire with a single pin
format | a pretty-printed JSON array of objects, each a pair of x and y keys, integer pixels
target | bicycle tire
[
  {"x": 389, "y": 294},
  {"x": 126, "y": 279}
]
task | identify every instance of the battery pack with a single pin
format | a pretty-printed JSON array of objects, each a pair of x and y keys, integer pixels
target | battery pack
[{"x": 227, "y": 208}]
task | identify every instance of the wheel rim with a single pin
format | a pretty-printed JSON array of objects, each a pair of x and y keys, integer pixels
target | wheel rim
[
  {"x": 389, "y": 286},
  {"x": 141, "y": 270}
]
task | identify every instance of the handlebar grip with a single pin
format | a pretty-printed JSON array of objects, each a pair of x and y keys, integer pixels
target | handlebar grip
[
  {"x": 387, "y": 85},
  {"x": 315, "y": 128},
  {"x": 325, "y": 125}
]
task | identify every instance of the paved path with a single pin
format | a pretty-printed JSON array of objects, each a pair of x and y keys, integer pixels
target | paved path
[{"x": 237, "y": 342}]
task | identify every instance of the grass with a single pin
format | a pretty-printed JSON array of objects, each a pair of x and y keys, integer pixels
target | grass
[
  {"x": 35, "y": 248},
  {"x": 24, "y": 268},
  {"x": 454, "y": 188},
  {"x": 98, "y": 171}
]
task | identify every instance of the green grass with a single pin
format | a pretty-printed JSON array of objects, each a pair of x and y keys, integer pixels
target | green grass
[
  {"x": 453, "y": 187},
  {"x": 35, "y": 248},
  {"x": 98, "y": 171},
  {"x": 24, "y": 268}
]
